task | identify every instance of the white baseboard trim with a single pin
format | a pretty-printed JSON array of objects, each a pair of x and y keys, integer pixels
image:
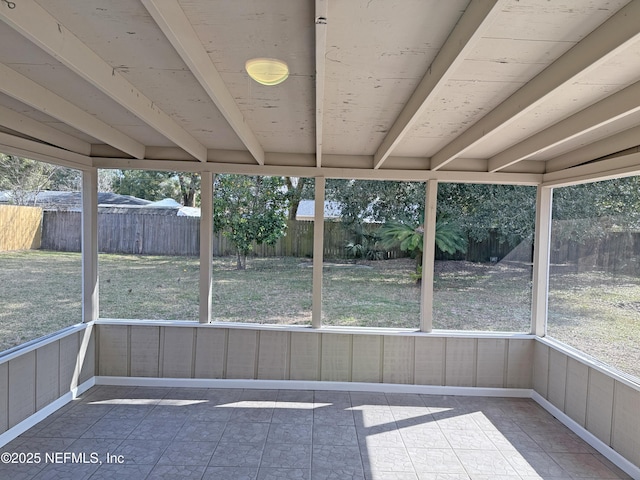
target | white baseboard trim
[
  {"x": 613, "y": 456},
  {"x": 314, "y": 385},
  {"x": 44, "y": 412}
]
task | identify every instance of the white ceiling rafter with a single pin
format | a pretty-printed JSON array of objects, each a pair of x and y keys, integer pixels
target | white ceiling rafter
[
  {"x": 615, "y": 143},
  {"x": 614, "y": 107},
  {"x": 28, "y": 126},
  {"x": 175, "y": 25},
  {"x": 469, "y": 29},
  {"x": 593, "y": 50},
  {"x": 36, "y": 24},
  {"x": 22, "y": 147},
  {"x": 322, "y": 6},
  {"x": 27, "y": 91},
  {"x": 617, "y": 167}
]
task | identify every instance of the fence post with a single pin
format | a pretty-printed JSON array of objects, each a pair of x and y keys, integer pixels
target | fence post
[
  {"x": 206, "y": 245},
  {"x": 90, "y": 297}
]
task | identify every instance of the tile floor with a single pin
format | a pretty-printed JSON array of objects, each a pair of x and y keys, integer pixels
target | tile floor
[{"x": 227, "y": 434}]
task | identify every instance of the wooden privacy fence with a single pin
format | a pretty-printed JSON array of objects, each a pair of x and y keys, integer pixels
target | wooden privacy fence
[
  {"x": 148, "y": 234},
  {"x": 20, "y": 227},
  {"x": 615, "y": 252},
  {"x": 124, "y": 233}
]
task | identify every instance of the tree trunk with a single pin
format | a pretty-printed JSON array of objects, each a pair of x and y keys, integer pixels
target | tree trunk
[
  {"x": 241, "y": 262},
  {"x": 295, "y": 195}
]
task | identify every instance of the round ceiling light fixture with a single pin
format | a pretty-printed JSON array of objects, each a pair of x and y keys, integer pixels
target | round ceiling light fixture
[{"x": 267, "y": 71}]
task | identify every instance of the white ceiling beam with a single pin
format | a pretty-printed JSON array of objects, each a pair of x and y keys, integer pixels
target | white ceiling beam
[
  {"x": 36, "y": 24},
  {"x": 22, "y": 147},
  {"x": 617, "y": 167},
  {"x": 605, "y": 41},
  {"x": 470, "y": 28},
  {"x": 322, "y": 7},
  {"x": 29, "y": 92},
  {"x": 28, "y": 126},
  {"x": 328, "y": 172},
  {"x": 175, "y": 25},
  {"x": 608, "y": 110},
  {"x": 615, "y": 143}
]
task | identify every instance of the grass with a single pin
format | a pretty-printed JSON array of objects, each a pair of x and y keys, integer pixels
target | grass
[
  {"x": 40, "y": 293},
  {"x": 599, "y": 314},
  {"x": 480, "y": 296}
]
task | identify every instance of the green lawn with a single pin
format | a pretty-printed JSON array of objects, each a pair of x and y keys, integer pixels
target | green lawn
[{"x": 40, "y": 293}]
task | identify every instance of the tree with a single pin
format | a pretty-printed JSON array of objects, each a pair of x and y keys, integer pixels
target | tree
[
  {"x": 296, "y": 188},
  {"x": 508, "y": 210},
  {"x": 250, "y": 209},
  {"x": 24, "y": 178},
  {"x": 153, "y": 185},
  {"x": 150, "y": 185},
  {"x": 377, "y": 200},
  {"x": 591, "y": 210},
  {"x": 189, "y": 188}
]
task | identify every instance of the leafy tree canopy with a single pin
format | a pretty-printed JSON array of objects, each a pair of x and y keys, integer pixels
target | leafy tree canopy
[
  {"x": 250, "y": 209},
  {"x": 479, "y": 209},
  {"x": 154, "y": 185},
  {"x": 593, "y": 209},
  {"x": 376, "y": 200}
]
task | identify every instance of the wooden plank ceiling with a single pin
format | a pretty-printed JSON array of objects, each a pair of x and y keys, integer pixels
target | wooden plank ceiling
[{"x": 449, "y": 89}]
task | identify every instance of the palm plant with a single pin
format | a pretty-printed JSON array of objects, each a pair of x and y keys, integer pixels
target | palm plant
[{"x": 449, "y": 238}]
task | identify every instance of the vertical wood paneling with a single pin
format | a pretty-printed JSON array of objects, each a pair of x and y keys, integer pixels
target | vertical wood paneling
[
  {"x": 47, "y": 374},
  {"x": 576, "y": 395},
  {"x": 88, "y": 365},
  {"x": 113, "y": 351},
  {"x": 69, "y": 347},
  {"x": 241, "y": 354},
  {"x": 145, "y": 351},
  {"x": 429, "y": 363},
  {"x": 557, "y": 378},
  {"x": 460, "y": 360},
  {"x": 177, "y": 352},
  {"x": 367, "y": 358},
  {"x": 4, "y": 397},
  {"x": 21, "y": 227},
  {"x": 600, "y": 405},
  {"x": 519, "y": 364},
  {"x": 210, "y": 352},
  {"x": 336, "y": 357},
  {"x": 22, "y": 388},
  {"x": 273, "y": 356},
  {"x": 398, "y": 359},
  {"x": 491, "y": 362},
  {"x": 626, "y": 422},
  {"x": 540, "y": 368},
  {"x": 305, "y": 355}
]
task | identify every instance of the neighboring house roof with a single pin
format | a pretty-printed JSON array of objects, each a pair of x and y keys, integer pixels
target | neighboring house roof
[
  {"x": 58, "y": 200},
  {"x": 306, "y": 210}
]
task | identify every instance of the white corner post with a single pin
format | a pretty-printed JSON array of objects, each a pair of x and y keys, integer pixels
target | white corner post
[
  {"x": 428, "y": 256},
  {"x": 90, "y": 245},
  {"x": 206, "y": 245},
  {"x": 541, "y": 257},
  {"x": 318, "y": 252}
]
